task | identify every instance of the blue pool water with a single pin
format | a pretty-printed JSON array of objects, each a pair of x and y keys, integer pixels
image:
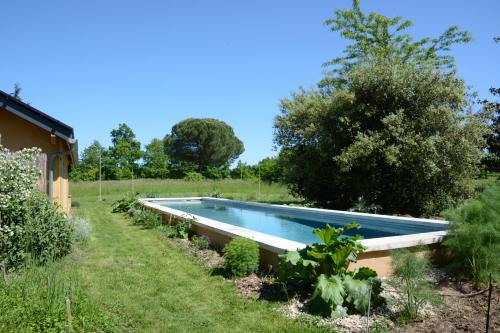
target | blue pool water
[{"x": 295, "y": 225}]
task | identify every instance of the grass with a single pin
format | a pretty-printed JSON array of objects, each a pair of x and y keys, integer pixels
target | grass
[
  {"x": 247, "y": 190},
  {"x": 130, "y": 279},
  {"x": 486, "y": 181}
]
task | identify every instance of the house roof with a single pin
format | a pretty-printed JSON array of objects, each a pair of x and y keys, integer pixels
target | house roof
[{"x": 39, "y": 118}]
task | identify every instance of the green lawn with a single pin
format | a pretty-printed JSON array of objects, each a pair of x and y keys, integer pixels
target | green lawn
[
  {"x": 136, "y": 281},
  {"x": 229, "y": 188}
]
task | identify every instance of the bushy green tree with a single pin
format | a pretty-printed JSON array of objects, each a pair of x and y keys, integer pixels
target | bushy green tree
[
  {"x": 243, "y": 170},
  {"x": 395, "y": 134},
  {"x": 125, "y": 151},
  {"x": 492, "y": 160},
  {"x": 155, "y": 160},
  {"x": 375, "y": 35},
  {"x": 203, "y": 142},
  {"x": 88, "y": 165},
  {"x": 269, "y": 169}
]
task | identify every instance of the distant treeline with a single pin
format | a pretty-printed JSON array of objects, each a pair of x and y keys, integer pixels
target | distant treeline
[{"x": 195, "y": 149}]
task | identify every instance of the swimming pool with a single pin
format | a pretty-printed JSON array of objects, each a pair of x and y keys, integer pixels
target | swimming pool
[
  {"x": 279, "y": 228},
  {"x": 296, "y": 225}
]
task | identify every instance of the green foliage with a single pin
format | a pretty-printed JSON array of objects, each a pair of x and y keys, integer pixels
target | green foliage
[
  {"x": 328, "y": 297},
  {"x": 29, "y": 224},
  {"x": 270, "y": 169},
  {"x": 193, "y": 176},
  {"x": 492, "y": 160},
  {"x": 331, "y": 257},
  {"x": 146, "y": 218},
  {"x": 216, "y": 172},
  {"x": 375, "y": 35},
  {"x": 156, "y": 161},
  {"x": 125, "y": 151},
  {"x": 410, "y": 276},
  {"x": 474, "y": 236},
  {"x": 81, "y": 228},
  {"x": 88, "y": 164},
  {"x": 324, "y": 265},
  {"x": 243, "y": 171},
  {"x": 35, "y": 301},
  {"x": 201, "y": 242},
  {"x": 392, "y": 128},
  {"x": 203, "y": 142},
  {"x": 179, "y": 229},
  {"x": 241, "y": 256},
  {"x": 48, "y": 233},
  {"x": 126, "y": 204}
]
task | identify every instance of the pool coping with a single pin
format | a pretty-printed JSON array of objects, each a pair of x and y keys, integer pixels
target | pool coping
[{"x": 280, "y": 245}]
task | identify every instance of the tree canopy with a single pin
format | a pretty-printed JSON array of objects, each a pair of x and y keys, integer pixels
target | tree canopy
[
  {"x": 88, "y": 165},
  {"x": 394, "y": 134},
  {"x": 203, "y": 142},
  {"x": 493, "y": 138},
  {"x": 125, "y": 151},
  {"x": 375, "y": 35},
  {"x": 155, "y": 160}
]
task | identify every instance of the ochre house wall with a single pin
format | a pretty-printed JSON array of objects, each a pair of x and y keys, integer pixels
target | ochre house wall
[{"x": 17, "y": 133}]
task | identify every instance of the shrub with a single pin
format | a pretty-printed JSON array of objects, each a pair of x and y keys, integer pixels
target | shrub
[
  {"x": 474, "y": 236},
  {"x": 29, "y": 224},
  {"x": 182, "y": 228},
  {"x": 410, "y": 276},
  {"x": 241, "y": 256},
  {"x": 127, "y": 204},
  {"x": 201, "y": 242},
  {"x": 81, "y": 228},
  {"x": 193, "y": 176},
  {"x": 75, "y": 204},
  {"x": 323, "y": 267},
  {"x": 48, "y": 232},
  {"x": 146, "y": 218}
]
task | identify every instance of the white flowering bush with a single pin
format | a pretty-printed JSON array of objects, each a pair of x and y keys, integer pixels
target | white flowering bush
[
  {"x": 18, "y": 176},
  {"x": 29, "y": 223}
]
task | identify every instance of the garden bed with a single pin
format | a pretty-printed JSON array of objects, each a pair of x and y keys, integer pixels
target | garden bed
[{"x": 459, "y": 312}]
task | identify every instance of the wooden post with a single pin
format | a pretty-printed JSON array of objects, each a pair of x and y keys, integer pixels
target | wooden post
[
  {"x": 68, "y": 316},
  {"x": 100, "y": 176},
  {"x": 4, "y": 275},
  {"x": 489, "y": 306},
  {"x": 368, "y": 312}
]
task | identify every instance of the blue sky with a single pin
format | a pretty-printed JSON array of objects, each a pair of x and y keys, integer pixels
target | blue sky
[{"x": 95, "y": 64}]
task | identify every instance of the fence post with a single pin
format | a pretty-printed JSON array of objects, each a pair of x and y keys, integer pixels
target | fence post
[
  {"x": 490, "y": 287},
  {"x": 4, "y": 275},
  {"x": 369, "y": 303},
  {"x": 68, "y": 316}
]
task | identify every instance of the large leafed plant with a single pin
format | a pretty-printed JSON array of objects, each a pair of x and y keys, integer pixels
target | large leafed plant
[{"x": 324, "y": 268}]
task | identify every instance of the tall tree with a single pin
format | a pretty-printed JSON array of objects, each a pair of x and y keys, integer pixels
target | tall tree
[
  {"x": 395, "y": 134},
  {"x": 203, "y": 142},
  {"x": 492, "y": 110},
  {"x": 375, "y": 35},
  {"x": 88, "y": 165},
  {"x": 125, "y": 151},
  {"x": 269, "y": 169},
  {"x": 492, "y": 160},
  {"x": 155, "y": 160}
]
